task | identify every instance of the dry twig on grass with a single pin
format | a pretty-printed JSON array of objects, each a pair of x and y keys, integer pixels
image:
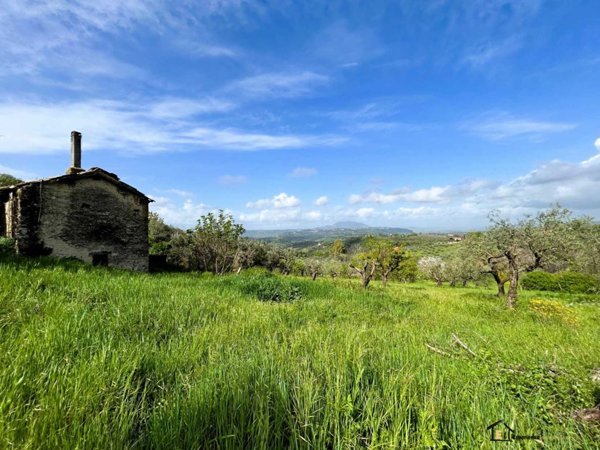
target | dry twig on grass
[{"x": 463, "y": 345}]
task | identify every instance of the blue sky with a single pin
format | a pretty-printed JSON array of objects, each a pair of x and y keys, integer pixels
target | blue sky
[{"x": 293, "y": 114}]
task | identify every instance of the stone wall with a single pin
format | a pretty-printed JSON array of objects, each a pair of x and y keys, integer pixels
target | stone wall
[
  {"x": 82, "y": 217},
  {"x": 24, "y": 215}
]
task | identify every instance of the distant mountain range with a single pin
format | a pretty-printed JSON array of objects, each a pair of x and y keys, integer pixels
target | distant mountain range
[{"x": 337, "y": 230}]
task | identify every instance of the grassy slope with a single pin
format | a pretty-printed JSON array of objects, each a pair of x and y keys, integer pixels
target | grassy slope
[{"x": 96, "y": 359}]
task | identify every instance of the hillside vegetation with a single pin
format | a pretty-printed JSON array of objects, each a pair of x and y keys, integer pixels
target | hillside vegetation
[{"x": 93, "y": 358}]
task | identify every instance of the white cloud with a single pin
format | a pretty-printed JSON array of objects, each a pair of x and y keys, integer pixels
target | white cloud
[
  {"x": 321, "y": 201},
  {"x": 269, "y": 85},
  {"x": 429, "y": 195},
  {"x": 278, "y": 201},
  {"x": 490, "y": 51},
  {"x": 465, "y": 205},
  {"x": 42, "y": 128},
  {"x": 303, "y": 172},
  {"x": 182, "y": 213},
  {"x": 234, "y": 139},
  {"x": 177, "y": 108},
  {"x": 314, "y": 215},
  {"x": 180, "y": 193},
  {"x": 573, "y": 185},
  {"x": 231, "y": 180},
  {"x": 345, "y": 45},
  {"x": 504, "y": 126},
  {"x": 364, "y": 212},
  {"x": 597, "y": 144},
  {"x": 273, "y": 217},
  {"x": 70, "y": 36},
  {"x": 433, "y": 194}
]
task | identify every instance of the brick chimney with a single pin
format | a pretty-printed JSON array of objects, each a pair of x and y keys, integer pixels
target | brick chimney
[{"x": 75, "y": 153}]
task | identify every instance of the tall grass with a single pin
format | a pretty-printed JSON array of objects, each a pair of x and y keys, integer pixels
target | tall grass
[{"x": 93, "y": 358}]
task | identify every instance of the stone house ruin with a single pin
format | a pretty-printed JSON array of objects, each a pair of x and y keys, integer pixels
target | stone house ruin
[{"x": 89, "y": 215}]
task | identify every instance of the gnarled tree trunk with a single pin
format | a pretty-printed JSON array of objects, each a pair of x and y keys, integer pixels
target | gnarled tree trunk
[
  {"x": 511, "y": 297},
  {"x": 365, "y": 273},
  {"x": 500, "y": 282}
]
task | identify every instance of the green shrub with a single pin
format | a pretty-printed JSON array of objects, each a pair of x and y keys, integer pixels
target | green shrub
[
  {"x": 570, "y": 282},
  {"x": 578, "y": 283},
  {"x": 272, "y": 289},
  {"x": 540, "y": 281}
]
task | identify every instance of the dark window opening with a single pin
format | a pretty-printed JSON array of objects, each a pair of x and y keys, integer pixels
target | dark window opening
[
  {"x": 85, "y": 206},
  {"x": 100, "y": 259}
]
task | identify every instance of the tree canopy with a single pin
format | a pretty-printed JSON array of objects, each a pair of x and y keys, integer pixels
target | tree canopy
[{"x": 8, "y": 180}]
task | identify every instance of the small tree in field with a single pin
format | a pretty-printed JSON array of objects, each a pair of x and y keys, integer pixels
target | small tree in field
[
  {"x": 387, "y": 256},
  {"x": 486, "y": 259},
  {"x": 434, "y": 268},
  {"x": 337, "y": 248},
  {"x": 460, "y": 270},
  {"x": 215, "y": 243},
  {"x": 364, "y": 264},
  {"x": 530, "y": 243},
  {"x": 314, "y": 267}
]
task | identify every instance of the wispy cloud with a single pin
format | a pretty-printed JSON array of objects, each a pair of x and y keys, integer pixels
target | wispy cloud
[
  {"x": 381, "y": 114},
  {"x": 491, "y": 51},
  {"x": 177, "y": 108},
  {"x": 277, "y": 84},
  {"x": 499, "y": 126},
  {"x": 68, "y": 37},
  {"x": 344, "y": 45},
  {"x": 232, "y": 180},
  {"x": 303, "y": 172},
  {"x": 165, "y": 125}
]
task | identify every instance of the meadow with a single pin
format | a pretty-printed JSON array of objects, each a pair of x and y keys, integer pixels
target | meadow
[{"x": 101, "y": 358}]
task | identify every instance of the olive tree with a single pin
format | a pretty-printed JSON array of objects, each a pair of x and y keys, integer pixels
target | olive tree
[
  {"x": 213, "y": 245},
  {"x": 364, "y": 264},
  {"x": 387, "y": 256},
  {"x": 434, "y": 268},
  {"x": 533, "y": 242},
  {"x": 486, "y": 259}
]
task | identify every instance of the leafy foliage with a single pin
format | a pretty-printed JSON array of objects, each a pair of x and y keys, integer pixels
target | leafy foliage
[
  {"x": 8, "y": 180},
  {"x": 212, "y": 246},
  {"x": 433, "y": 268},
  {"x": 160, "y": 235},
  {"x": 337, "y": 248},
  {"x": 530, "y": 243},
  {"x": 271, "y": 288},
  {"x": 572, "y": 282}
]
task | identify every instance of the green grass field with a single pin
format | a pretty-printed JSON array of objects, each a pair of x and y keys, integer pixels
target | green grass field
[{"x": 93, "y": 358}]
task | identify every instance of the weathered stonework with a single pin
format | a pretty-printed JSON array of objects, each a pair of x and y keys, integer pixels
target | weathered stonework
[{"x": 79, "y": 215}]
